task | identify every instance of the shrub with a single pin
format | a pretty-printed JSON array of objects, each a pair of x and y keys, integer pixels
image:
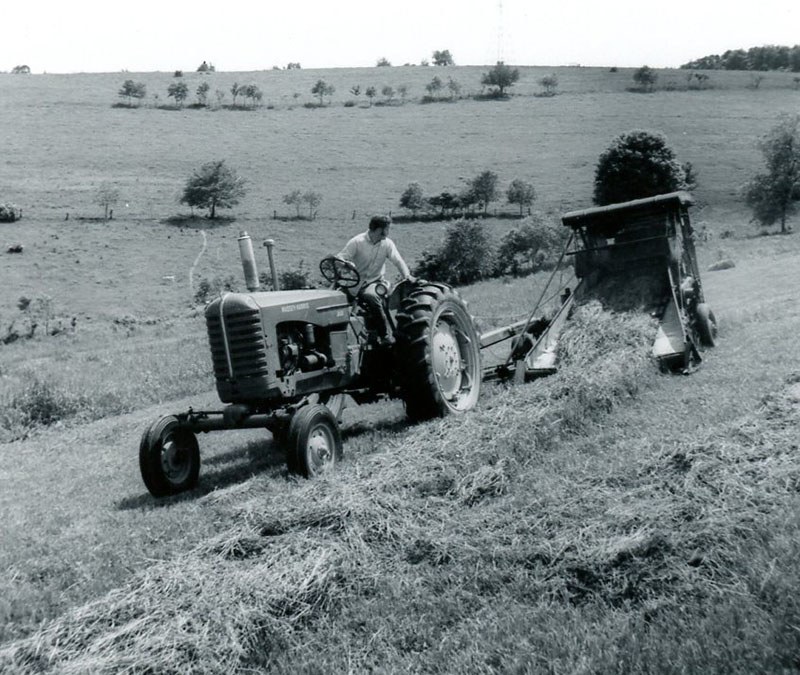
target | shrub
[
  {"x": 645, "y": 77},
  {"x": 9, "y": 213},
  {"x": 534, "y": 246},
  {"x": 208, "y": 289},
  {"x": 465, "y": 256},
  {"x": 289, "y": 279}
]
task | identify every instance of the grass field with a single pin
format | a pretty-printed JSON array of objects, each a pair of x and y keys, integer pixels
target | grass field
[{"x": 607, "y": 519}]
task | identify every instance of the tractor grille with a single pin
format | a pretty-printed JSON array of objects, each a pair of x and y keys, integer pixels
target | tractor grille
[{"x": 248, "y": 354}]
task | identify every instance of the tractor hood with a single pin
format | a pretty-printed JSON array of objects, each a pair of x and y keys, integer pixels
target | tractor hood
[{"x": 314, "y": 305}]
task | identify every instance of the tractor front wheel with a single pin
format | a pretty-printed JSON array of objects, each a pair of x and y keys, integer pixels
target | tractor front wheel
[
  {"x": 706, "y": 325},
  {"x": 314, "y": 444},
  {"x": 438, "y": 352},
  {"x": 169, "y": 458}
]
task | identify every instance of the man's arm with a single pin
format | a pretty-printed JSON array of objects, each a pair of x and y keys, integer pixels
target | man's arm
[
  {"x": 397, "y": 260},
  {"x": 349, "y": 250}
]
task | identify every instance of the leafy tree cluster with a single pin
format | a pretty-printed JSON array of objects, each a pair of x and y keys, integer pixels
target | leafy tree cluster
[
  {"x": 482, "y": 190},
  {"x": 131, "y": 90},
  {"x": 639, "y": 164},
  {"x": 773, "y": 194},
  {"x": 767, "y": 57},
  {"x": 321, "y": 89},
  {"x": 249, "y": 92},
  {"x": 436, "y": 87},
  {"x": 443, "y": 58},
  {"x": 550, "y": 84},
  {"x": 468, "y": 253},
  {"x": 645, "y": 77},
  {"x": 310, "y": 198},
  {"x": 214, "y": 185},
  {"x": 21, "y": 70},
  {"x": 500, "y": 78},
  {"x": 206, "y": 67}
]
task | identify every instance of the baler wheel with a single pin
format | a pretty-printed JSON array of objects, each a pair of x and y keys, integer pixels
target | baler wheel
[
  {"x": 314, "y": 444},
  {"x": 169, "y": 458},
  {"x": 438, "y": 353},
  {"x": 706, "y": 325}
]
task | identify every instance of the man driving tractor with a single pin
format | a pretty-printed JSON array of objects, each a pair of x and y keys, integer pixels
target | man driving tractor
[{"x": 369, "y": 252}]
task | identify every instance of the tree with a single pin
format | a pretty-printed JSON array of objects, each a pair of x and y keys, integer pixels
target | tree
[
  {"x": 236, "y": 89},
  {"x": 403, "y": 91},
  {"x": 202, "y": 92},
  {"x": 388, "y": 92},
  {"x": 521, "y": 193},
  {"x": 179, "y": 91},
  {"x": 383, "y": 62},
  {"x": 106, "y": 196},
  {"x": 773, "y": 195},
  {"x": 132, "y": 90},
  {"x": 356, "y": 90},
  {"x": 313, "y": 199},
  {"x": 528, "y": 248},
  {"x": 637, "y": 164},
  {"x": 294, "y": 65},
  {"x": 443, "y": 58},
  {"x": 454, "y": 88},
  {"x": 251, "y": 92},
  {"x": 434, "y": 86},
  {"x": 322, "y": 88},
  {"x": 501, "y": 77},
  {"x": 205, "y": 68},
  {"x": 214, "y": 185},
  {"x": 21, "y": 70},
  {"x": 412, "y": 199},
  {"x": 549, "y": 83},
  {"x": 484, "y": 187},
  {"x": 645, "y": 77},
  {"x": 466, "y": 256},
  {"x": 371, "y": 93},
  {"x": 294, "y": 198}
]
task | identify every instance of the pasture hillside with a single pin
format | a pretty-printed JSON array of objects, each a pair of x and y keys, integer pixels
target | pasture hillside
[
  {"x": 605, "y": 519},
  {"x": 63, "y": 138}
]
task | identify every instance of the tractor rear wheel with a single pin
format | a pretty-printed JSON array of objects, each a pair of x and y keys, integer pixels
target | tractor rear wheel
[
  {"x": 706, "y": 325},
  {"x": 439, "y": 358},
  {"x": 314, "y": 444},
  {"x": 169, "y": 458}
]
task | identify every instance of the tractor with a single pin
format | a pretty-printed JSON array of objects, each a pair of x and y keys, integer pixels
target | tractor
[{"x": 289, "y": 360}]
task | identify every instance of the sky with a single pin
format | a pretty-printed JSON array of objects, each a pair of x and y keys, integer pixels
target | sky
[{"x": 241, "y": 35}]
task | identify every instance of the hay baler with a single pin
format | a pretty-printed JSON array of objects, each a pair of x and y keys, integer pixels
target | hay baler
[{"x": 638, "y": 254}]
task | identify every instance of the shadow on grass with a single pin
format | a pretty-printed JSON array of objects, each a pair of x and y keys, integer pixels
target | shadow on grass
[
  {"x": 385, "y": 426},
  {"x": 292, "y": 219},
  {"x": 237, "y": 465},
  {"x": 198, "y": 222},
  {"x": 448, "y": 218}
]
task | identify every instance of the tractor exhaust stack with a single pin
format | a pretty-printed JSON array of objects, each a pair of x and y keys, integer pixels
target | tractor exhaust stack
[{"x": 248, "y": 262}]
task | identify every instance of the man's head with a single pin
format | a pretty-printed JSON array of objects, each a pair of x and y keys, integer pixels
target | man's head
[{"x": 379, "y": 227}]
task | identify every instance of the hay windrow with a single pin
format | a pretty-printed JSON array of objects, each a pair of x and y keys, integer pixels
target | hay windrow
[{"x": 478, "y": 512}]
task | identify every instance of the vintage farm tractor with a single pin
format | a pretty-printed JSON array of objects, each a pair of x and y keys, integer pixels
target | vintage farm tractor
[{"x": 288, "y": 360}]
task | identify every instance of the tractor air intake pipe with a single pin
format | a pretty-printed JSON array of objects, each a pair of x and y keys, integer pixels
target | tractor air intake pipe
[
  {"x": 269, "y": 243},
  {"x": 248, "y": 262}
]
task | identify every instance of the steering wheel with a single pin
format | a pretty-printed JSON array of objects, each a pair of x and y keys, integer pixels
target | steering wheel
[{"x": 338, "y": 271}]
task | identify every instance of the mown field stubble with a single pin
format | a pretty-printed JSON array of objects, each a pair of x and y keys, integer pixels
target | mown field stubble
[{"x": 607, "y": 519}]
